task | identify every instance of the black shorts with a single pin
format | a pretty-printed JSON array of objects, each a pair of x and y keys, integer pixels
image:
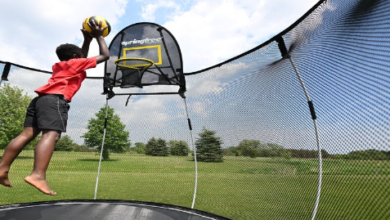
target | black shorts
[{"x": 48, "y": 112}]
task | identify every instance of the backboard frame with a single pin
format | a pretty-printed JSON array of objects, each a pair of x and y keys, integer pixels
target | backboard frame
[{"x": 167, "y": 56}]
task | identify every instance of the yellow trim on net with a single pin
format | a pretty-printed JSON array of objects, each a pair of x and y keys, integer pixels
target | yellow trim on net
[
  {"x": 145, "y": 65},
  {"x": 159, "y": 62}
]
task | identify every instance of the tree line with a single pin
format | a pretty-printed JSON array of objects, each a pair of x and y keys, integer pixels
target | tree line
[{"x": 13, "y": 103}]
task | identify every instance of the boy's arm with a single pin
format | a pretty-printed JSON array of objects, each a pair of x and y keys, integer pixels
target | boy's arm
[
  {"x": 104, "y": 53},
  {"x": 86, "y": 43}
]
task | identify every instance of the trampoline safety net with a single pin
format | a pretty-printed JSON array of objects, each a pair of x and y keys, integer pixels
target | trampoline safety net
[{"x": 254, "y": 109}]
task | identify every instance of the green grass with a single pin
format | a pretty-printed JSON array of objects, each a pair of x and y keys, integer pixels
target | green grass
[{"x": 238, "y": 188}]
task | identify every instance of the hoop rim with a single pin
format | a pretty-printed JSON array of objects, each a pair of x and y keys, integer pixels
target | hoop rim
[{"x": 133, "y": 58}]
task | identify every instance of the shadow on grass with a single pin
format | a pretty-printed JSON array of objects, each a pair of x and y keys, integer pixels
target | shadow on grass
[{"x": 97, "y": 160}]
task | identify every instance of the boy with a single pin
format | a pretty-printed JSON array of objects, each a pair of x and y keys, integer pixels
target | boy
[{"x": 48, "y": 113}]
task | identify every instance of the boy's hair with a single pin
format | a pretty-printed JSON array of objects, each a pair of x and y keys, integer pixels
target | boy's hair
[{"x": 65, "y": 52}]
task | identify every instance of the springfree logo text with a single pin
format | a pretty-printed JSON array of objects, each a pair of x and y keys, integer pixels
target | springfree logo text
[{"x": 142, "y": 41}]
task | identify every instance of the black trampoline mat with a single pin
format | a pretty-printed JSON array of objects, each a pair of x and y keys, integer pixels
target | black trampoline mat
[{"x": 100, "y": 210}]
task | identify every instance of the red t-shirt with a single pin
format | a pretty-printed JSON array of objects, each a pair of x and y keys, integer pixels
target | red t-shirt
[{"x": 67, "y": 77}]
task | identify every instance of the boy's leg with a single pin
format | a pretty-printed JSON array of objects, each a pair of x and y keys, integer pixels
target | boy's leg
[
  {"x": 43, "y": 152},
  {"x": 12, "y": 151}
]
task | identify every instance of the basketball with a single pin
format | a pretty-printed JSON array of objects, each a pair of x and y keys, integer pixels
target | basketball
[{"x": 97, "y": 20}]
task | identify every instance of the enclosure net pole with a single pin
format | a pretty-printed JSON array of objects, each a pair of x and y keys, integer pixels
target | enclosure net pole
[
  {"x": 194, "y": 149},
  {"x": 311, "y": 106},
  {"x": 4, "y": 75},
  {"x": 101, "y": 151}
]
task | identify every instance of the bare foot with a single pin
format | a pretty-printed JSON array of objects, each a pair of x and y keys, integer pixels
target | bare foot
[
  {"x": 4, "y": 179},
  {"x": 40, "y": 184}
]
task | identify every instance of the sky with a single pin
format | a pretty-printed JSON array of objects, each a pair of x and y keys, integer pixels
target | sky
[{"x": 208, "y": 32}]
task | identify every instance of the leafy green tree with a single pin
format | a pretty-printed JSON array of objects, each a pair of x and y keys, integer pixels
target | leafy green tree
[
  {"x": 208, "y": 147},
  {"x": 276, "y": 150},
  {"x": 370, "y": 154},
  {"x": 249, "y": 147},
  {"x": 138, "y": 148},
  {"x": 231, "y": 151},
  {"x": 116, "y": 140},
  {"x": 286, "y": 155},
  {"x": 254, "y": 148},
  {"x": 156, "y": 147},
  {"x": 178, "y": 148},
  {"x": 13, "y": 105},
  {"x": 66, "y": 144}
]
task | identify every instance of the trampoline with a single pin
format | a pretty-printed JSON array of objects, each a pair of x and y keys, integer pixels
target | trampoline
[
  {"x": 101, "y": 210},
  {"x": 257, "y": 103}
]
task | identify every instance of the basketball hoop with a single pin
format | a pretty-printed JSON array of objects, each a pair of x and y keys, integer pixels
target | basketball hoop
[{"x": 132, "y": 70}]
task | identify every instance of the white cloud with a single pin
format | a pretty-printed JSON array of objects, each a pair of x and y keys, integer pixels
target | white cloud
[
  {"x": 199, "y": 108},
  {"x": 209, "y": 32},
  {"x": 149, "y": 10},
  {"x": 212, "y": 81},
  {"x": 213, "y": 31},
  {"x": 35, "y": 28}
]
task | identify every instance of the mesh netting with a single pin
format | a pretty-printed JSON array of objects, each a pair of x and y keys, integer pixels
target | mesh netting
[
  {"x": 132, "y": 71},
  {"x": 340, "y": 49}
]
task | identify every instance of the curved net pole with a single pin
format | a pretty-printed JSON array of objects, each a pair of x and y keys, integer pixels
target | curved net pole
[
  {"x": 285, "y": 54},
  {"x": 101, "y": 150},
  {"x": 194, "y": 149},
  {"x": 317, "y": 139}
]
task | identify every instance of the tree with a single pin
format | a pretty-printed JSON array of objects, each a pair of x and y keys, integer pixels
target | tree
[
  {"x": 116, "y": 140},
  {"x": 208, "y": 147},
  {"x": 156, "y": 147},
  {"x": 276, "y": 150},
  {"x": 249, "y": 147},
  {"x": 138, "y": 148},
  {"x": 178, "y": 148},
  {"x": 13, "y": 105},
  {"x": 370, "y": 154},
  {"x": 254, "y": 148},
  {"x": 66, "y": 144},
  {"x": 231, "y": 151}
]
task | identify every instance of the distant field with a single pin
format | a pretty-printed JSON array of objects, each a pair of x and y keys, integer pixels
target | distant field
[{"x": 238, "y": 188}]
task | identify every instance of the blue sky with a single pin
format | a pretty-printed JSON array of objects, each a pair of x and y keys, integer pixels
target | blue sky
[{"x": 208, "y": 32}]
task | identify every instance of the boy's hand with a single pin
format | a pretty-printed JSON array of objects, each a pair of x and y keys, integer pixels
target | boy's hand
[
  {"x": 87, "y": 35},
  {"x": 97, "y": 29}
]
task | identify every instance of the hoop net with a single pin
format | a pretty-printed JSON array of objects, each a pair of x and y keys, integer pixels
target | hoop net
[{"x": 132, "y": 70}]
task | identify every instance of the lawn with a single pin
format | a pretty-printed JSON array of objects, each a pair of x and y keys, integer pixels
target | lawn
[{"x": 238, "y": 188}]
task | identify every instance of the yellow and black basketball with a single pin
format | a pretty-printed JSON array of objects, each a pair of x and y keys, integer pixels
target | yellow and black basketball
[{"x": 97, "y": 20}]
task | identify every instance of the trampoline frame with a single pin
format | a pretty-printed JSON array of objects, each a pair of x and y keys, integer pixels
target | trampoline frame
[{"x": 130, "y": 203}]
